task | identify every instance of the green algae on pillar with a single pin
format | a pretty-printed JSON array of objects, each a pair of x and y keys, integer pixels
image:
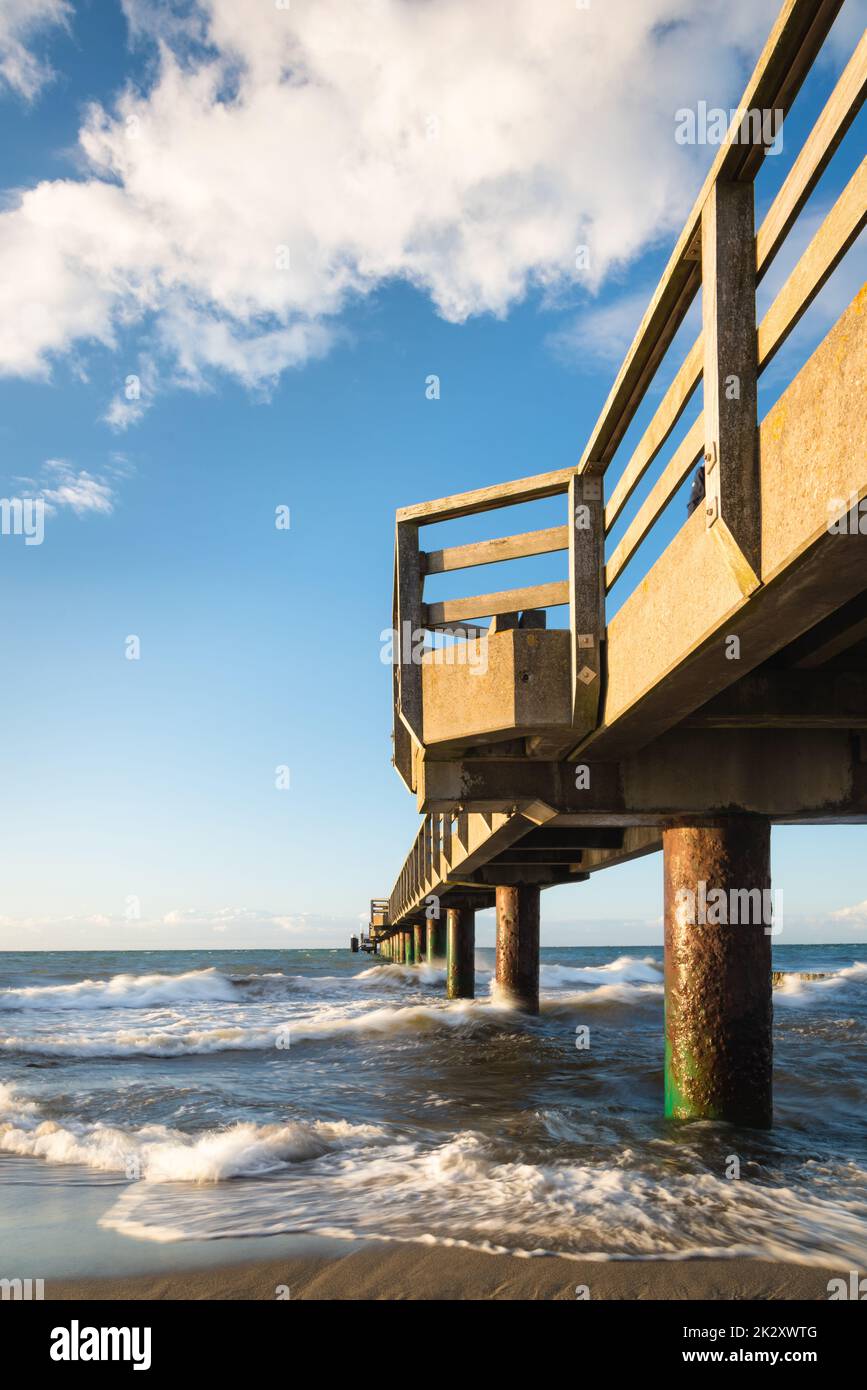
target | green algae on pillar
[
  {"x": 461, "y": 953},
  {"x": 407, "y": 947},
  {"x": 418, "y": 943},
  {"x": 718, "y": 1007}
]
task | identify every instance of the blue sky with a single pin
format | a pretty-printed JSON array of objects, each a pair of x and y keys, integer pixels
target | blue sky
[{"x": 139, "y": 804}]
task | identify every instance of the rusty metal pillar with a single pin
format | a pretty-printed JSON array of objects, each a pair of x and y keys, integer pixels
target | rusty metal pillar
[
  {"x": 418, "y": 943},
  {"x": 517, "y": 970},
  {"x": 461, "y": 953},
  {"x": 436, "y": 940},
  {"x": 718, "y": 1010}
]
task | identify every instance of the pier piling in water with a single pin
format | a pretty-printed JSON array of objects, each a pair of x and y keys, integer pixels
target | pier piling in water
[
  {"x": 461, "y": 953},
  {"x": 418, "y": 943},
  {"x": 436, "y": 940},
  {"x": 517, "y": 968},
  {"x": 718, "y": 1011}
]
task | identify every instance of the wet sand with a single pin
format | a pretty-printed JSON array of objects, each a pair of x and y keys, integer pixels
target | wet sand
[{"x": 391, "y": 1271}]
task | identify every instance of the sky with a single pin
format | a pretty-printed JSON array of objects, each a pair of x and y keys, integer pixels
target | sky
[{"x": 235, "y": 244}]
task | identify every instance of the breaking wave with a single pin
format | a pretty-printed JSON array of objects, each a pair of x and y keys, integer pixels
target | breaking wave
[
  {"x": 156, "y": 1153},
  {"x": 124, "y": 992}
]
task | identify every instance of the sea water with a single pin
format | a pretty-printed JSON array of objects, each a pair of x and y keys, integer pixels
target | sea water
[{"x": 191, "y": 1096}]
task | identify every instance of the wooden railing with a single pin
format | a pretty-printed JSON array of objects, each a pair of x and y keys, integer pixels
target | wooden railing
[
  {"x": 720, "y": 252},
  {"x": 581, "y": 537},
  {"x": 830, "y": 243}
]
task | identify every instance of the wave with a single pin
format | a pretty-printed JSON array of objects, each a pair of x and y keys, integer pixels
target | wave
[
  {"x": 625, "y": 969},
  {"x": 156, "y": 1153},
  {"x": 799, "y": 987},
  {"x": 173, "y": 1042},
  {"x": 459, "y": 1192},
  {"x": 399, "y": 975},
  {"x": 617, "y": 993},
  {"x": 124, "y": 992}
]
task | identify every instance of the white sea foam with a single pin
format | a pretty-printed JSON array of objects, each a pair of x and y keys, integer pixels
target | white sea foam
[
  {"x": 176, "y": 1040},
  {"x": 359, "y": 1181},
  {"x": 124, "y": 992},
  {"x": 156, "y": 1153},
  {"x": 797, "y": 991},
  {"x": 459, "y": 1192},
  {"x": 393, "y": 974},
  {"x": 620, "y": 992},
  {"x": 625, "y": 969}
]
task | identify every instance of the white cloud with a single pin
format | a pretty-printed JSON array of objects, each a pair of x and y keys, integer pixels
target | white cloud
[
  {"x": 21, "y": 21},
  {"x": 283, "y": 162},
  {"x": 122, "y": 413},
  {"x": 61, "y": 485},
  {"x": 129, "y": 405},
  {"x": 855, "y": 916},
  {"x": 80, "y": 491}
]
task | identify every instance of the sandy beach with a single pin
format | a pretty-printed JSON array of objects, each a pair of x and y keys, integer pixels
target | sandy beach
[{"x": 406, "y": 1271}]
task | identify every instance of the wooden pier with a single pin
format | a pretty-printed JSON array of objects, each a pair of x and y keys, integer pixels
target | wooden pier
[{"x": 727, "y": 693}]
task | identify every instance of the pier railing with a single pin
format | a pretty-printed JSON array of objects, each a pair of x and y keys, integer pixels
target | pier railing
[
  {"x": 726, "y": 547},
  {"x": 719, "y": 252}
]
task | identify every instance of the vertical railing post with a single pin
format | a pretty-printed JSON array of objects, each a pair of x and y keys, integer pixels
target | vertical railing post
[
  {"x": 427, "y": 873},
  {"x": 731, "y": 458},
  {"x": 409, "y": 627},
  {"x": 586, "y": 595}
]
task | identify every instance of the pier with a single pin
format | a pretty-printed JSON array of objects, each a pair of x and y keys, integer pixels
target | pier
[{"x": 726, "y": 692}]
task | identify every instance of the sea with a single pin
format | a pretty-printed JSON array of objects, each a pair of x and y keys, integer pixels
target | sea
[{"x": 158, "y": 1103}]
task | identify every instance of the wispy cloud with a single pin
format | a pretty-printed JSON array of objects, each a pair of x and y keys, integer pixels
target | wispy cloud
[
  {"x": 80, "y": 491},
  {"x": 60, "y": 485},
  {"x": 225, "y": 919},
  {"x": 855, "y": 916},
  {"x": 21, "y": 24},
  {"x": 130, "y": 404},
  {"x": 600, "y": 334}
]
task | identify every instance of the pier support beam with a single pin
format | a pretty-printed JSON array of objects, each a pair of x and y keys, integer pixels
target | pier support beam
[
  {"x": 461, "y": 953},
  {"x": 436, "y": 940},
  {"x": 407, "y": 947},
  {"x": 418, "y": 943},
  {"x": 517, "y": 970},
  {"x": 718, "y": 1010}
]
